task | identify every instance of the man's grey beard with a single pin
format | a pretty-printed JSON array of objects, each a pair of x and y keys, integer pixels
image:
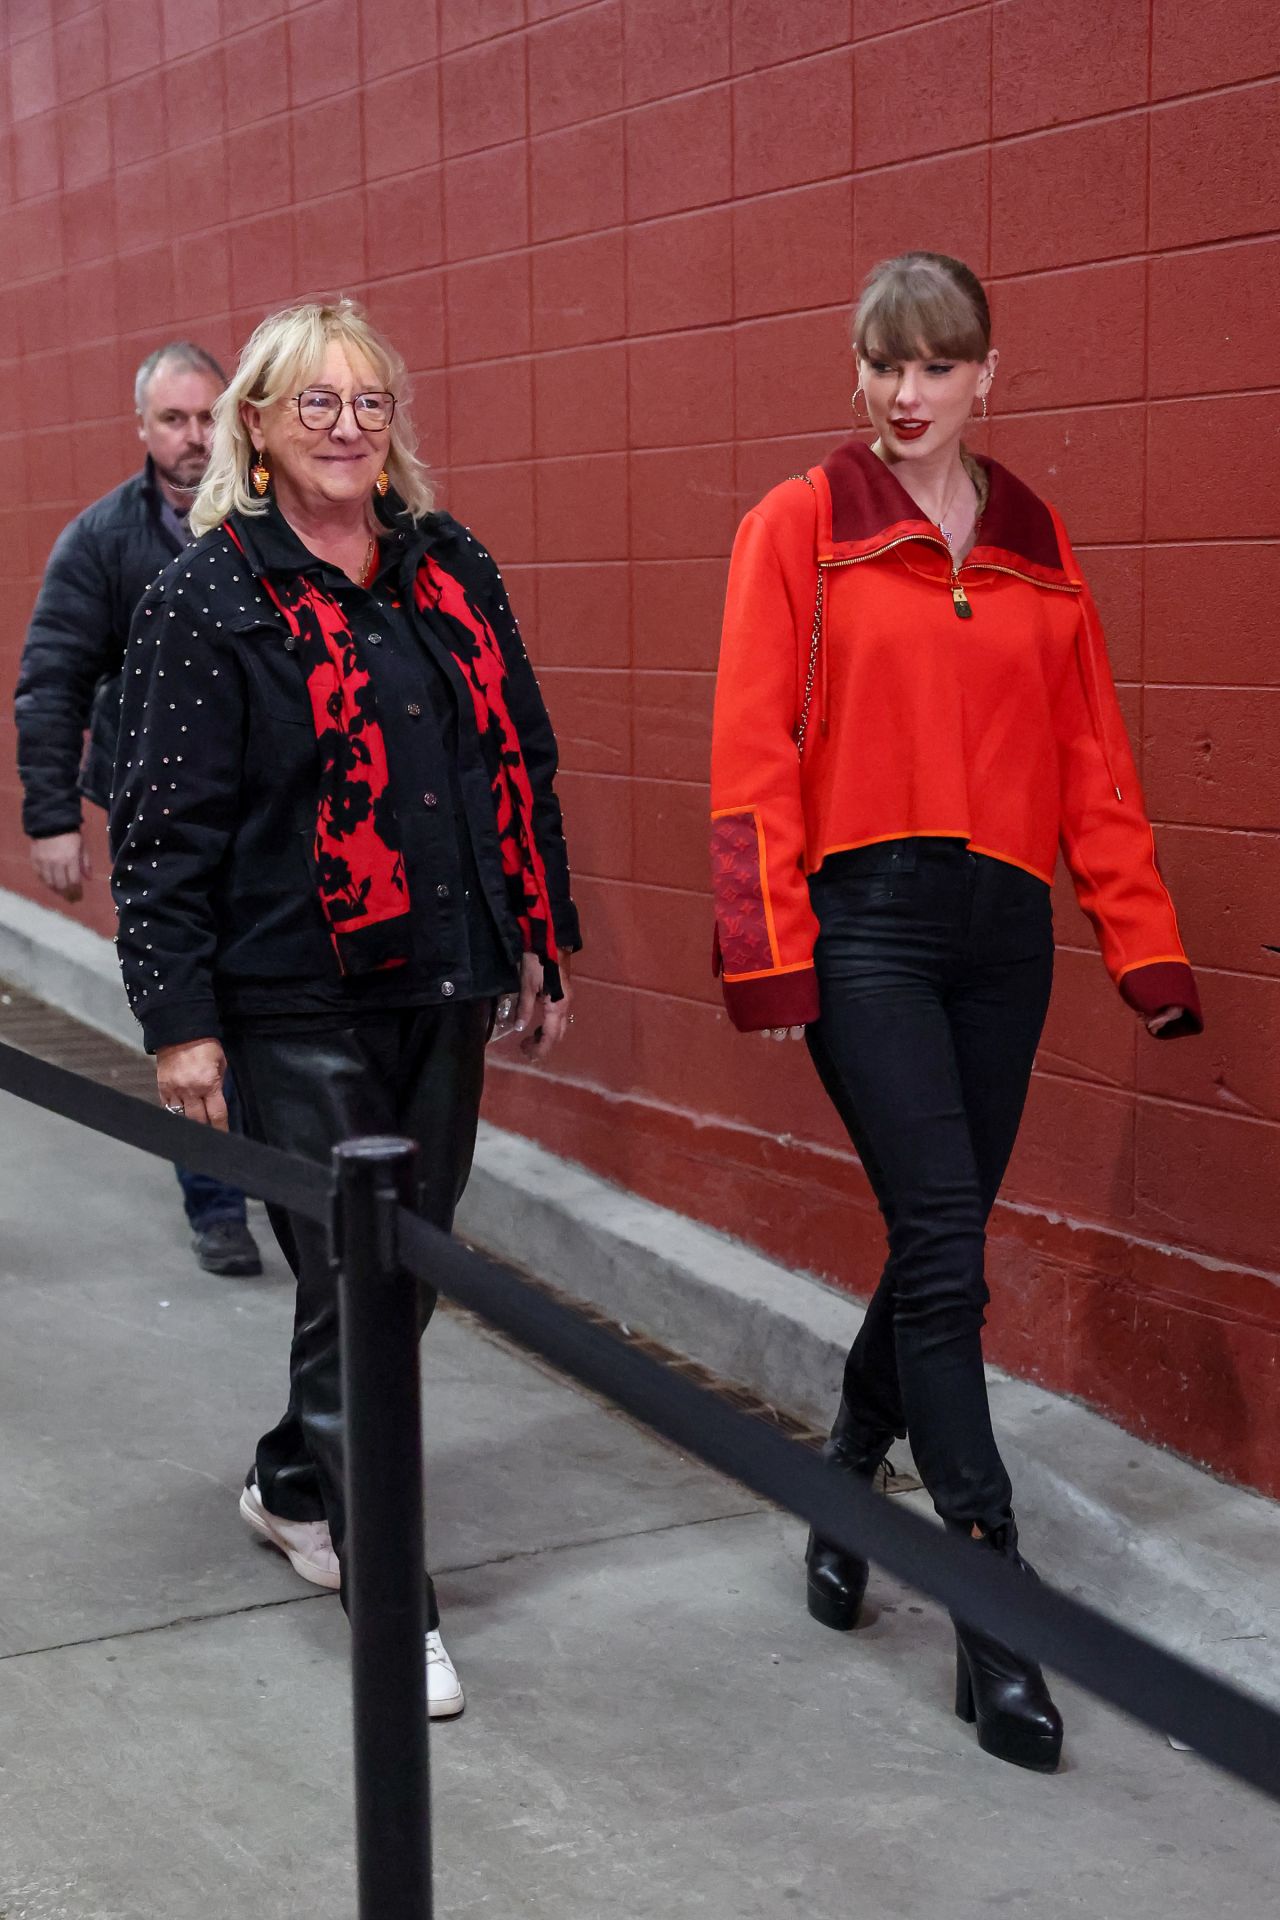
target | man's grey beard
[{"x": 172, "y": 478}]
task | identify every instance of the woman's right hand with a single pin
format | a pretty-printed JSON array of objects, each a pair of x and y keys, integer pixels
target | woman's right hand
[
  {"x": 190, "y": 1075},
  {"x": 782, "y": 1033}
]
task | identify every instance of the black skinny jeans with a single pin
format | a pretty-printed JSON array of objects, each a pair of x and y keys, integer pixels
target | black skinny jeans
[
  {"x": 417, "y": 1073},
  {"x": 935, "y": 966}
]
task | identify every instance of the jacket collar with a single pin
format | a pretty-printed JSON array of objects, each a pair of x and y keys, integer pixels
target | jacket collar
[
  {"x": 866, "y": 508},
  {"x": 150, "y": 481},
  {"x": 159, "y": 509},
  {"x": 271, "y": 546}
]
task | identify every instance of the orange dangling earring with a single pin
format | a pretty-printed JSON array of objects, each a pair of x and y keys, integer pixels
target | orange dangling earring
[
  {"x": 260, "y": 474},
  {"x": 382, "y": 483}
]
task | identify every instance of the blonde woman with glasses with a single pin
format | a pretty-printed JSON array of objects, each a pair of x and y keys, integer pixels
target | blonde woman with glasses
[{"x": 336, "y": 835}]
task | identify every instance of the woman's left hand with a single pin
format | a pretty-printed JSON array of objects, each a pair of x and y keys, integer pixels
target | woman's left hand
[
  {"x": 1165, "y": 1018},
  {"x": 782, "y": 1033},
  {"x": 542, "y": 1022}
]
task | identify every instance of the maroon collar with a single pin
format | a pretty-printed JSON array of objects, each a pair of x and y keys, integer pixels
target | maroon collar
[{"x": 869, "y": 504}]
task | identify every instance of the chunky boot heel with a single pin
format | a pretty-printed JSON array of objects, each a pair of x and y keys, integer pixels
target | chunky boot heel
[
  {"x": 837, "y": 1581},
  {"x": 836, "y": 1585},
  {"x": 1002, "y": 1692},
  {"x": 965, "y": 1709}
]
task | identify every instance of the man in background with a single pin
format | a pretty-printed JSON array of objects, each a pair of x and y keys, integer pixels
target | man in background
[{"x": 72, "y": 666}]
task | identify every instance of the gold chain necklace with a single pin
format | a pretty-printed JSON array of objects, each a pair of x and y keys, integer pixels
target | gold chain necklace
[{"x": 951, "y": 499}]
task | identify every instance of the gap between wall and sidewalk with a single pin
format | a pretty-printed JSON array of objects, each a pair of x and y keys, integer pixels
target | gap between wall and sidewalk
[{"x": 1123, "y": 1524}]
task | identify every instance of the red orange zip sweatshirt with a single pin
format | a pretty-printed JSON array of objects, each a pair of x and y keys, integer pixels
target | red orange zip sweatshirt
[{"x": 974, "y": 704}]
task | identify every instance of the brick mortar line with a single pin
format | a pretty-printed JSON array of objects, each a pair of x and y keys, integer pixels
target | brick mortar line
[
  {"x": 1051, "y": 410},
  {"x": 729, "y": 83},
  {"x": 1152, "y": 103},
  {"x": 846, "y": 176}
]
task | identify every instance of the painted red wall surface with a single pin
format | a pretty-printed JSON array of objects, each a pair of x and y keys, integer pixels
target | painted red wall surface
[{"x": 618, "y": 242}]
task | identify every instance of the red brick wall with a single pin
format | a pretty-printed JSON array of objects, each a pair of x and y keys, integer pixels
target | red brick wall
[{"x": 618, "y": 242}]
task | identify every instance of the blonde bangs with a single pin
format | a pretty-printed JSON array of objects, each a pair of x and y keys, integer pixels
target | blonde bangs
[
  {"x": 278, "y": 358},
  {"x": 284, "y": 364},
  {"x": 923, "y": 306}
]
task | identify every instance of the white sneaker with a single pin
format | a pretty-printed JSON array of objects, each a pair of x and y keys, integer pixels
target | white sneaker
[
  {"x": 305, "y": 1543},
  {"x": 445, "y": 1697}
]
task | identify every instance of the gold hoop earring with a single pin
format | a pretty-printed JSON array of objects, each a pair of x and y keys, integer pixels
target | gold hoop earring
[
  {"x": 983, "y": 414},
  {"x": 382, "y": 484},
  {"x": 260, "y": 474},
  {"x": 858, "y": 394}
]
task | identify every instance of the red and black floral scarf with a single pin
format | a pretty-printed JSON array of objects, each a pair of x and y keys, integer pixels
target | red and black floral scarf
[
  {"x": 363, "y": 888},
  {"x": 441, "y": 598}
]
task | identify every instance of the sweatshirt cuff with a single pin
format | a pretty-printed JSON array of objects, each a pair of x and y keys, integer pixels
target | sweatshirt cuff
[
  {"x": 1165, "y": 983},
  {"x": 774, "y": 1000}
]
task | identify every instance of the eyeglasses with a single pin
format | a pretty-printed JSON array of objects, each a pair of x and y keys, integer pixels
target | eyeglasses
[{"x": 320, "y": 408}]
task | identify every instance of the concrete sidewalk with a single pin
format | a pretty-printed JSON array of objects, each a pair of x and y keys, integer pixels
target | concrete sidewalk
[{"x": 655, "y": 1727}]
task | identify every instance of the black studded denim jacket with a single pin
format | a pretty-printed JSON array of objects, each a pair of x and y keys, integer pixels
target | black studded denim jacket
[{"x": 214, "y": 811}]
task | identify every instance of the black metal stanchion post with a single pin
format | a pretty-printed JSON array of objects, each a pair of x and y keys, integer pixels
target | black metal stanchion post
[{"x": 384, "y": 1561}]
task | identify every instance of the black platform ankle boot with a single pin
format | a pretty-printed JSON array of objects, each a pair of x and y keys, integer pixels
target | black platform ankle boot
[
  {"x": 837, "y": 1580},
  {"x": 1005, "y": 1694}
]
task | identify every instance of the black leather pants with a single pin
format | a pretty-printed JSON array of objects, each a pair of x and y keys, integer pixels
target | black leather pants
[
  {"x": 935, "y": 966},
  {"x": 418, "y": 1072}
]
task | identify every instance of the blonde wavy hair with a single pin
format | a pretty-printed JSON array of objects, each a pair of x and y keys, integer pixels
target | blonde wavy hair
[{"x": 280, "y": 355}]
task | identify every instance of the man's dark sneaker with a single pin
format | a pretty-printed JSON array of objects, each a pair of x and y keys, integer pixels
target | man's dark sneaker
[{"x": 228, "y": 1247}]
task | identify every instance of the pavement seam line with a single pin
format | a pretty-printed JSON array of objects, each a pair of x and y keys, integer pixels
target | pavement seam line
[
  {"x": 294, "y": 1599},
  {"x": 160, "y": 1626},
  {"x": 608, "y": 1539}
]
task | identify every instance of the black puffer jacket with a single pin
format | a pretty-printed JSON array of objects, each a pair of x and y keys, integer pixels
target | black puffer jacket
[
  {"x": 69, "y": 680},
  {"x": 218, "y": 776}
]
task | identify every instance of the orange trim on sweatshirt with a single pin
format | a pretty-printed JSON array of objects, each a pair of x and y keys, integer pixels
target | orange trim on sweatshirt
[
  {"x": 993, "y": 853},
  {"x": 768, "y": 973}
]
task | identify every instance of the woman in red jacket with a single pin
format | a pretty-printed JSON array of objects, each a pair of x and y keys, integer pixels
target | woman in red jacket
[{"x": 914, "y": 711}]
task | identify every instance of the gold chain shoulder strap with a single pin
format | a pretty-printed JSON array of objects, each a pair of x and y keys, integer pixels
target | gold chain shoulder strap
[{"x": 815, "y": 644}]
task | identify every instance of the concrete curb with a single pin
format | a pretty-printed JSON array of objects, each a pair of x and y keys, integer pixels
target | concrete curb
[
  {"x": 696, "y": 1291},
  {"x": 1135, "y": 1530},
  {"x": 65, "y": 964}
]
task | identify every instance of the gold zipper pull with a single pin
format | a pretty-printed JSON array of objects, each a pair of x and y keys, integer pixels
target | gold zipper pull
[{"x": 963, "y": 610}]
